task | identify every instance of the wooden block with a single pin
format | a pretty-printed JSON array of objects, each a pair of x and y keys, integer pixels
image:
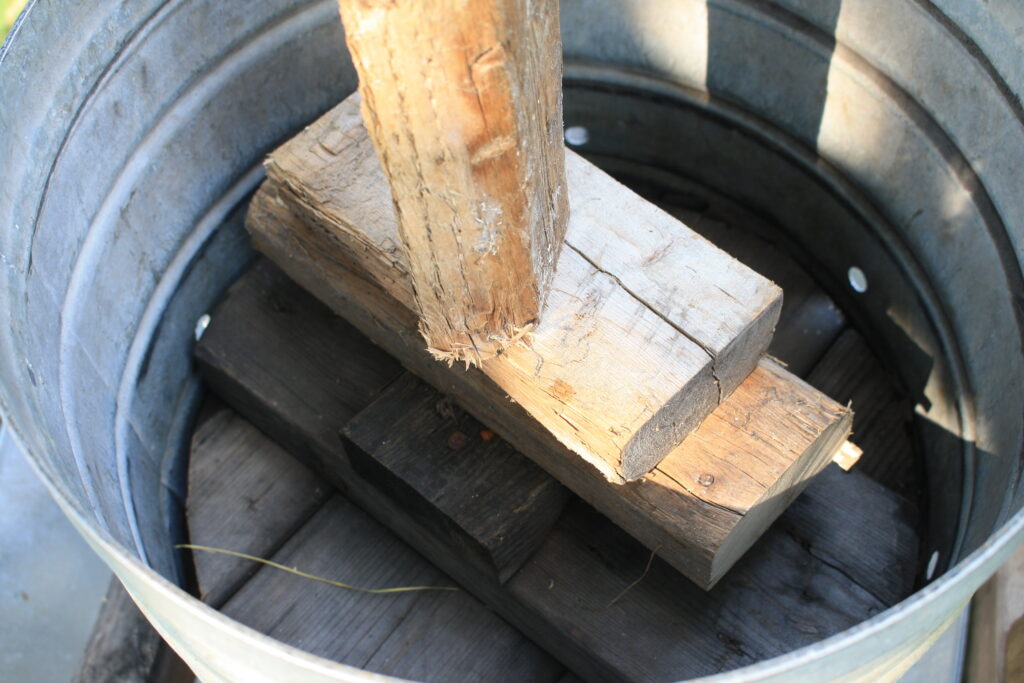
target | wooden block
[
  {"x": 701, "y": 529},
  {"x": 810, "y": 321},
  {"x": 453, "y": 474},
  {"x": 847, "y": 456},
  {"x": 464, "y": 105},
  {"x": 655, "y": 314},
  {"x": 220, "y": 516}
]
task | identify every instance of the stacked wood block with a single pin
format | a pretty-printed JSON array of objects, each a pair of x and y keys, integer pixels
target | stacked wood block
[
  {"x": 647, "y": 326},
  {"x": 577, "y": 583},
  {"x": 649, "y": 334}
]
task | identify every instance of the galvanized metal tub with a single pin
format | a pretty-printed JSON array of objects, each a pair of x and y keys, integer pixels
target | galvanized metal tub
[{"x": 884, "y": 135}]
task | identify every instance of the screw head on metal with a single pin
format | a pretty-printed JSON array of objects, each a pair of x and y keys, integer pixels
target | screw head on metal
[{"x": 577, "y": 135}]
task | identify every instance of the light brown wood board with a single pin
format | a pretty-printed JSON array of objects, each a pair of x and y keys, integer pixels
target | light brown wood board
[{"x": 647, "y": 328}]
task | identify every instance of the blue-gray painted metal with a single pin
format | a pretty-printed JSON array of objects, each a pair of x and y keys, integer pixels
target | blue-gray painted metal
[{"x": 883, "y": 134}]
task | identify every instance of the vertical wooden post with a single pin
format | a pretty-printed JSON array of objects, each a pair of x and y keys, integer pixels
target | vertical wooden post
[{"x": 462, "y": 99}]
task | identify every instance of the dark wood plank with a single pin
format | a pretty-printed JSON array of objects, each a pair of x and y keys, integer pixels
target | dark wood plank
[
  {"x": 453, "y": 474},
  {"x": 884, "y": 523},
  {"x": 232, "y": 506},
  {"x": 244, "y": 495},
  {"x": 124, "y": 647},
  {"x": 427, "y": 635},
  {"x": 591, "y": 581},
  {"x": 267, "y": 326},
  {"x": 577, "y": 595},
  {"x": 850, "y": 372}
]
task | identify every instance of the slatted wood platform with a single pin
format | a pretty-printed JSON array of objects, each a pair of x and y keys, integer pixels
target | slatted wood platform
[
  {"x": 844, "y": 550},
  {"x": 714, "y": 493},
  {"x": 265, "y": 506}
]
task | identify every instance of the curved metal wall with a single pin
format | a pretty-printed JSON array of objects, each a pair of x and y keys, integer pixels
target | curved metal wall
[{"x": 881, "y": 134}]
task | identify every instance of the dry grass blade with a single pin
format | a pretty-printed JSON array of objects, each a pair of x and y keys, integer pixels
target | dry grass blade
[{"x": 305, "y": 575}]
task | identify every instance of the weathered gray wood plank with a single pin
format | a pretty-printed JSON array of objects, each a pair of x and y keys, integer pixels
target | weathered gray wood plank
[
  {"x": 245, "y": 495},
  {"x": 591, "y": 580},
  {"x": 582, "y": 590},
  {"x": 885, "y": 522},
  {"x": 453, "y": 474},
  {"x": 428, "y": 635},
  {"x": 268, "y": 326}
]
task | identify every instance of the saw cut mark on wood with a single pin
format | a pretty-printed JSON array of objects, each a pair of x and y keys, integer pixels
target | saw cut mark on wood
[
  {"x": 633, "y": 351},
  {"x": 463, "y": 102}
]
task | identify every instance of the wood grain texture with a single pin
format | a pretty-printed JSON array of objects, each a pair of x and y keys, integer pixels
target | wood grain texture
[
  {"x": 809, "y": 321},
  {"x": 589, "y": 583},
  {"x": 615, "y": 326},
  {"x": 426, "y": 636},
  {"x": 300, "y": 387},
  {"x": 123, "y": 645},
  {"x": 885, "y": 522},
  {"x": 687, "y": 520},
  {"x": 453, "y": 474},
  {"x": 431, "y": 636},
  {"x": 640, "y": 621},
  {"x": 463, "y": 102},
  {"x": 718, "y": 302},
  {"x": 269, "y": 327},
  {"x": 229, "y": 457}
]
